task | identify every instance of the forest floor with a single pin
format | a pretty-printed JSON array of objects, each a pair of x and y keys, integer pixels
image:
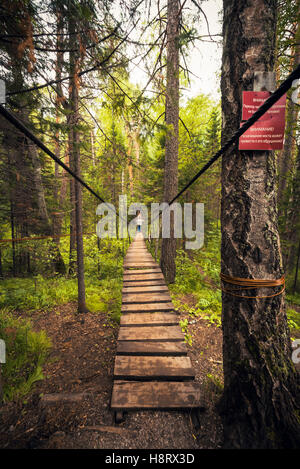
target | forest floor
[{"x": 81, "y": 362}]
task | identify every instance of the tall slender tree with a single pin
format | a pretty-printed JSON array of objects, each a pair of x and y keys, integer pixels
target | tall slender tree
[
  {"x": 168, "y": 250},
  {"x": 74, "y": 152},
  {"x": 261, "y": 393}
]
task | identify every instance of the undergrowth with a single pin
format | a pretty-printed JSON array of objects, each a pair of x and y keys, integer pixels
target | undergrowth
[
  {"x": 26, "y": 352},
  {"x": 197, "y": 277},
  {"x": 197, "y": 291}
]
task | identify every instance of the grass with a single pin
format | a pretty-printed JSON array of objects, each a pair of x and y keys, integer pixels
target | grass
[
  {"x": 198, "y": 277},
  {"x": 103, "y": 280},
  {"x": 26, "y": 352}
]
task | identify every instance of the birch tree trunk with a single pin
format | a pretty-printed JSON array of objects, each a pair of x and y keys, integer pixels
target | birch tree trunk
[
  {"x": 168, "y": 249},
  {"x": 261, "y": 392}
]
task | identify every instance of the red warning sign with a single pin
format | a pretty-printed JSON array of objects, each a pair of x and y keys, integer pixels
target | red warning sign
[
  {"x": 252, "y": 100},
  {"x": 268, "y": 132},
  {"x": 263, "y": 135}
]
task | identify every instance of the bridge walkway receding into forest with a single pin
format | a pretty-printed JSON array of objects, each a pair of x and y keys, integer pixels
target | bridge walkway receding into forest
[{"x": 152, "y": 369}]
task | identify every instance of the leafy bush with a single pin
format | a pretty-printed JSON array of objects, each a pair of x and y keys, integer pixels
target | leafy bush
[
  {"x": 293, "y": 319},
  {"x": 26, "y": 352},
  {"x": 36, "y": 292},
  {"x": 197, "y": 276}
]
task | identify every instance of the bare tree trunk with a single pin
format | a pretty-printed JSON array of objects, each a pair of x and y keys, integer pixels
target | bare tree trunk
[
  {"x": 292, "y": 225},
  {"x": 168, "y": 250},
  {"x": 72, "y": 247},
  {"x": 39, "y": 190},
  {"x": 259, "y": 404},
  {"x": 12, "y": 226},
  {"x": 286, "y": 157},
  {"x": 74, "y": 147},
  {"x": 297, "y": 269}
]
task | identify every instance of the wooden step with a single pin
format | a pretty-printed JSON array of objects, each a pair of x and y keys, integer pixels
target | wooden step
[
  {"x": 138, "y": 258},
  {"x": 149, "y": 319},
  {"x": 128, "y": 277},
  {"x": 144, "y": 283},
  {"x": 132, "y": 395},
  {"x": 145, "y": 289},
  {"x": 138, "y": 264},
  {"x": 131, "y": 298},
  {"x": 152, "y": 368},
  {"x": 151, "y": 333},
  {"x": 154, "y": 270},
  {"x": 146, "y": 307},
  {"x": 145, "y": 348}
]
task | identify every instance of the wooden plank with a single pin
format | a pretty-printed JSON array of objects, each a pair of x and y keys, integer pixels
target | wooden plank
[
  {"x": 149, "y": 319},
  {"x": 147, "y": 307},
  {"x": 151, "y": 333},
  {"x": 145, "y": 348},
  {"x": 155, "y": 395},
  {"x": 132, "y": 298},
  {"x": 144, "y": 283},
  {"x": 149, "y": 368},
  {"x": 138, "y": 258},
  {"x": 145, "y": 289},
  {"x": 139, "y": 264},
  {"x": 139, "y": 277},
  {"x": 154, "y": 270},
  {"x": 64, "y": 397},
  {"x": 139, "y": 252}
]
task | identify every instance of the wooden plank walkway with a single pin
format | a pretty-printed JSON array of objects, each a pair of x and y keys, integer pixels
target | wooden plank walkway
[{"x": 152, "y": 368}]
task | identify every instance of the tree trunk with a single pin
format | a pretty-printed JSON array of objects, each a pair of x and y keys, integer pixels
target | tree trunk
[
  {"x": 286, "y": 156},
  {"x": 72, "y": 247},
  {"x": 45, "y": 224},
  {"x": 292, "y": 226},
  {"x": 168, "y": 250},
  {"x": 297, "y": 269},
  {"x": 74, "y": 147},
  {"x": 12, "y": 226},
  {"x": 259, "y": 402}
]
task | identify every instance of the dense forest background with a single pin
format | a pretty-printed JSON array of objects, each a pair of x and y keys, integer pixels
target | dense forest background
[
  {"x": 71, "y": 86},
  {"x": 66, "y": 66},
  {"x": 119, "y": 129}
]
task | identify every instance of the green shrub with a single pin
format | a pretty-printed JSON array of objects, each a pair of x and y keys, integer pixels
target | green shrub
[
  {"x": 293, "y": 319},
  {"x": 26, "y": 352}
]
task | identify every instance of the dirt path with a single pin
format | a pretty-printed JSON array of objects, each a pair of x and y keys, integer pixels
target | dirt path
[{"x": 81, "y": 363}]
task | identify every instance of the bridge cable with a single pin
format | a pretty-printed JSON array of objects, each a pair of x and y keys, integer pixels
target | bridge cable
[
  {"x": 283, "y": 88},
  {"x": 22, "y": 128}
]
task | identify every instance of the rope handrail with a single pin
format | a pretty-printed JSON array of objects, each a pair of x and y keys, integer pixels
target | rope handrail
[
  {"x": 252, "y": 283},
  {"x": 281, "y": 90}
]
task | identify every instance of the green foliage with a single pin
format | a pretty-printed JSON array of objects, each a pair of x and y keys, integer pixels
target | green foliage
[
  {"x": 184, "y": 327},
  {"x": 198, "y": 275},
  {"x": 26, "y": 352},
  {"x": 103, "y": 280},
  {"x": 293, "y": 319},
  {"x": 216, "y": 381},
  {"x": 293, "y": 298},
  {"x": 37, "y": 293}
]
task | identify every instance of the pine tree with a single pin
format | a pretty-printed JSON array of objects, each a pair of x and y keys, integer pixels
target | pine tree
[{"x": 261, "y": 393}]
